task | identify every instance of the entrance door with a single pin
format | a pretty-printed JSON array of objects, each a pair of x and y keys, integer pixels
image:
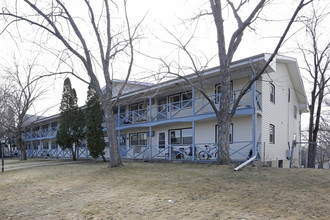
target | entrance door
[
  {"x": 122, "y": 145},
  {"x": 162, "y": 143},
  {"x": 162, "y": 109}
]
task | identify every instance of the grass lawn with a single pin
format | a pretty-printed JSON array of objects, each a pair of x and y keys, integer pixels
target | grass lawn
[{"x": 163, "y": 191}]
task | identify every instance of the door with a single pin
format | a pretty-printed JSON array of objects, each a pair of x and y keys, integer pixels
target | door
[
  {"x": 162, "y": 109},
  {"x": 122, "y": 145},
  {"x": 162, "y": 143}
]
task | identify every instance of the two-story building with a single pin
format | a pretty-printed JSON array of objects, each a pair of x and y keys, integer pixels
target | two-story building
[{"x": 172, "y": 120}]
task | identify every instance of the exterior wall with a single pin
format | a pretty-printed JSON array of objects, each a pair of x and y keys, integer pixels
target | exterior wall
[
  {"x": 205, "y": 132},
  {"x": 280, "y": 115}
]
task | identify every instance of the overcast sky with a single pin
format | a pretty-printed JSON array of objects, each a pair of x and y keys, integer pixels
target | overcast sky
[{"x": 162, "y": 15}]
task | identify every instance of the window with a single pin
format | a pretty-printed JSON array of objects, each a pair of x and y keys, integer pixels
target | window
[
  {"x": 217, "y": 92},
  {"x": 54, "y": 145},
  {"x": 54, "y": 126},
  {"x": 45, "y": 145},
  {"x": 182, "y": 100},
  {"x": 138, "y": 112},
  {"x": 174, "y": 100},
  {"x": 289, "y": 95},
  {"x": 186, "y": 100},
  {"x": 175, "y": 136},
  {"x": 271, "y": 134},
  {"x": 295, "y": 112},
  {"x": 187, "y": 136},
  {"x": 35, "y": 146},
  {"x": 231, "y": 133},
  {"x": 142, "y": 139},
  {"x": 138, "y": 139},
  {"x": 181, "y": 136},
  {"x": 272, "y": 93}
]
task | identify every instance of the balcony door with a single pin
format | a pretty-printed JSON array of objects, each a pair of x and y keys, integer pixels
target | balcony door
[
  {"x": 122, "y": 145},
  {"x": 162, "y": 109}
]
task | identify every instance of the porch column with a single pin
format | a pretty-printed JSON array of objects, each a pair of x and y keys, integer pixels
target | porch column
[
  {"x": 119, "y": 147},
  {"x": 150, "y": 142},
  {"x": 32, "y": 147},
  {"x": 193, "y": 140},
  {"x": 51, "y": 145},
  {"x": 193, "y": 101},
  {"x": 118, "y": 116},
  {"x": 150, "y": 115}
]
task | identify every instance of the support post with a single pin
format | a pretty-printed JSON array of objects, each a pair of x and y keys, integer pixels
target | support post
[
  {"x": 119, "y": 147},
  {"x": 118, "y": 116},
  {"x": 2, "y": 159},
  {"x": 150, "y": 115},
  {"x": 193, "y": 102},
  {"x": 150, "y": 143},
  {"x": 253, "y": 117},
  {"x": 193, "y": 141}
]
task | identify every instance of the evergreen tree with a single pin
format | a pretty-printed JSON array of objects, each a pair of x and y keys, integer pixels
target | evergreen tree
[
  {"x": 72, "y": 121},
  {"x": 94, "y": 119}
]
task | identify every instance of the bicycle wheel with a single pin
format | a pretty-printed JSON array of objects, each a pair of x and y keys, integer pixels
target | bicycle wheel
[{"x": 203, "y": 155}]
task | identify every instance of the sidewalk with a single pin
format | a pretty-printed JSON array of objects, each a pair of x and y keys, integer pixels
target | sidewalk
[{"x": 16, "y": 164}]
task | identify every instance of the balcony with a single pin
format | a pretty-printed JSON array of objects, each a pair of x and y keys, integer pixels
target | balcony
[{"x": 199, "y": 108}]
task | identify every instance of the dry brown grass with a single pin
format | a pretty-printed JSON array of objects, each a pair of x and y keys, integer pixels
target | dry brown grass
[{"x": 163, "y": 191}]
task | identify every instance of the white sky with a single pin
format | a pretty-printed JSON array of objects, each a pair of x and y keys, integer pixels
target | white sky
[{"x": 160, "y": 14}]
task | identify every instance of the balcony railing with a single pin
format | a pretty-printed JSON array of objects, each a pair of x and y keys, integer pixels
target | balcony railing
[
  {"x": 39, "y": 134},
  {"x": 239, "y": 151},
  {"x": 184, "y": 108}
]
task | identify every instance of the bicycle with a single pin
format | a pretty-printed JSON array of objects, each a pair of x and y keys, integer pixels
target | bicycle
[{"x": 208, "y": 153}]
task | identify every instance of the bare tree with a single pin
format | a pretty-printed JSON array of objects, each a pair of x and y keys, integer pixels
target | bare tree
[
  {"x": 323, "y": 148},
  {"x": 59, "y": 21},
  {"x": 23, "y": 90},
  {"x": 225, "y": 112},
  {"x": 317, "y": 60}
]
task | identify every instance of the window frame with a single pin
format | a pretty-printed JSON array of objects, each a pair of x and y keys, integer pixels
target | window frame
[
  {"x": 231, "y": 133},
  {"x": 138, "y": 135},
  {"x": 217, "y": 92},
  {"x": 272, "y": 93},
  {"x": 181, "y": 138},
  {"x": 271, "y": 134},
  {"x": 181, "y": 103}
]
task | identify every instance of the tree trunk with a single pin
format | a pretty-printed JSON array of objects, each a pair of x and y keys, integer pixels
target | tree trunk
[
  {"x": 104, "y": 159},
  {"x": 20, "y": 144},
  {"x": 223, "y": 116},
  {"x": 115, "y": 160},
  {"x": 74, "y": 154}
]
